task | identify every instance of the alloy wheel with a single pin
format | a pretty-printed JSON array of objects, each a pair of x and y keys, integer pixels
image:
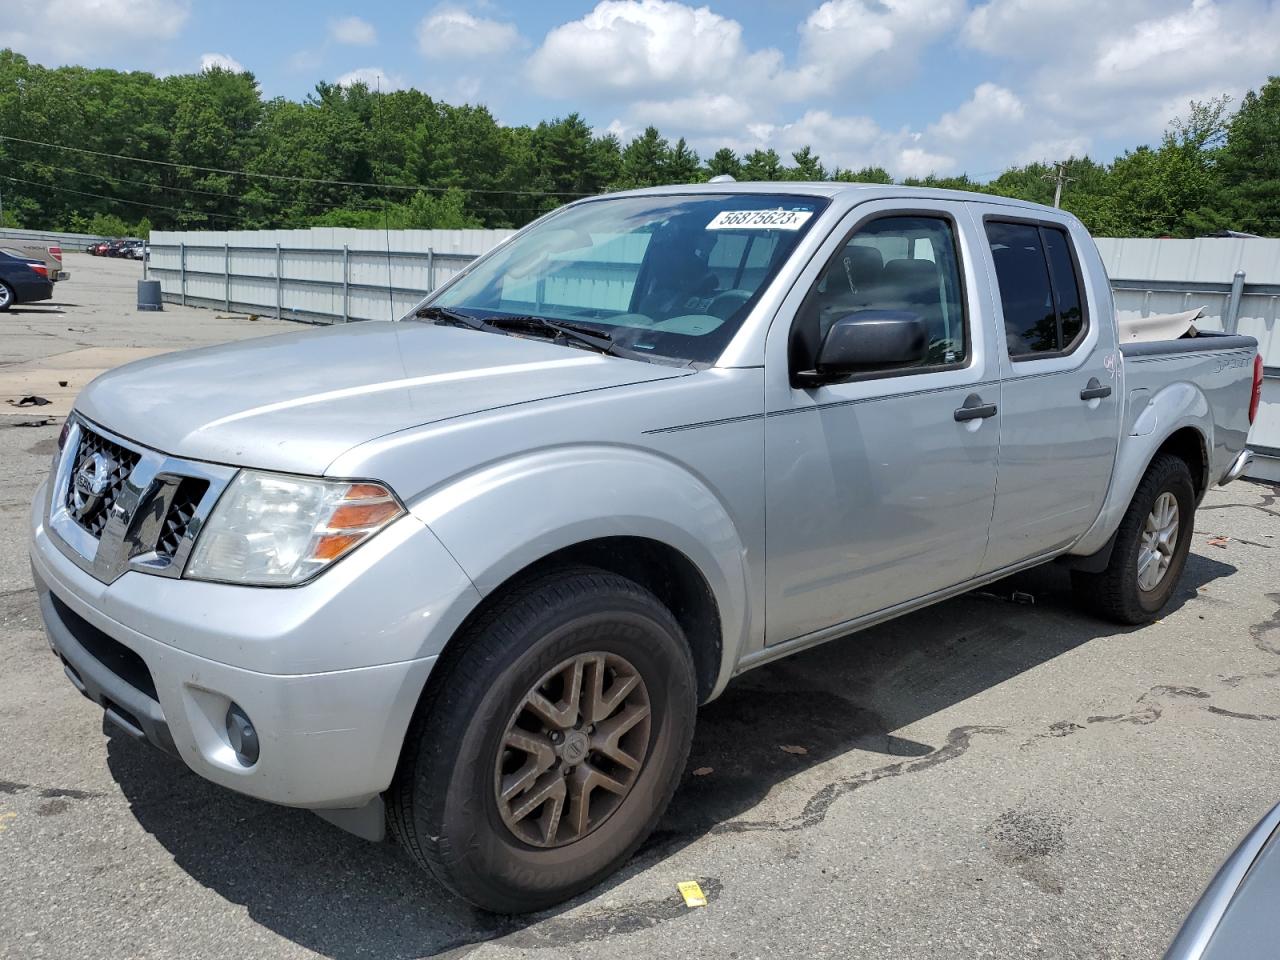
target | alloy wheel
[
  {"x": 572, "y": 749},
  {"x": 1159, "y": 540}
]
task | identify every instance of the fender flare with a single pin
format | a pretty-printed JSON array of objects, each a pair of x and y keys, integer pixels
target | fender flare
[
  {"x": 1170, "y": 409},
  {"x": 503, "y": 517}
]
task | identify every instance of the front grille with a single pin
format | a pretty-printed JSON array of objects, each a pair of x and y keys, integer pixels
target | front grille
[
  {"x": 182, "y": 508},
  {"x": 121, "y": 461}
]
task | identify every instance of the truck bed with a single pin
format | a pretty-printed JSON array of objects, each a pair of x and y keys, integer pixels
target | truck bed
[{"x": 1212, "y": 364}]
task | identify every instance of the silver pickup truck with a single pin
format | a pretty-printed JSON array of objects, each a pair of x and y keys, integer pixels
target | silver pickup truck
[{"x": 467, "y": 576}]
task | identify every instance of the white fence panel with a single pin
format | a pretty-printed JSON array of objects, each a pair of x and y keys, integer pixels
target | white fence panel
[{"x": 323, "y": 275}]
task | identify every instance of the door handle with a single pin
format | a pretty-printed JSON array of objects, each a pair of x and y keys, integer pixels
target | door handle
[
  {"x": 1094, "y": 390},
  {"x": 974, "y": 409}
]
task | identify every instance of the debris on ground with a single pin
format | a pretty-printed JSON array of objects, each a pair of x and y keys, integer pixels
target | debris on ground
[
  {"x": 794, "y": 750},
  {"x": 703, "y": 771},
  {"x": 31, "y": 401},
  {"x": 691, "y": 890},
  {"x": 1219, "y": 542},
  {"x": 1015, "y": 596}
]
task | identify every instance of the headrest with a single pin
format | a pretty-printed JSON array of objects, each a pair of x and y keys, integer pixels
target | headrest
[
  {"x": 856, "y": 267},
  {"x": 911, "y": 274}
]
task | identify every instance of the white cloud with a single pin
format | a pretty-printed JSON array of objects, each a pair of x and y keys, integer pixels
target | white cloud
[
  {"x": 68, "y": 31},
  {"x": 451, "y": 33},
  {"x": 851, "y": 142},
  {"x": 718, "y": 113},
  {"x": 992, "y": 110},
  {"x": 1049, "y": 151},
  {"x": 843, "y": 37},
  {"x": 1134, "y": 68},
  {"x": 353, "y": 31},
  {"x": 689, "y": 71},
  {"x": 220, "y": 61},
  {"x": 375, "y": 78},
  {"x": 649, "y": 49}
]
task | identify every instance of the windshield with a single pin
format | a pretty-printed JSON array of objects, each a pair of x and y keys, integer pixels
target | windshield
[{"x": 668, "y": 277}]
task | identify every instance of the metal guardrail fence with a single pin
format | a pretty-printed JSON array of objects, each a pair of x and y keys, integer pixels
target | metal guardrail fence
[{"x": 330, "y": 286}]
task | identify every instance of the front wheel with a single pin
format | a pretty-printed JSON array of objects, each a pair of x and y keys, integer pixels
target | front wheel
[
  {"x": 550, "y": 743},
  {"x": 1150, "y": 551},
  {"x": 6, "y": 297}
]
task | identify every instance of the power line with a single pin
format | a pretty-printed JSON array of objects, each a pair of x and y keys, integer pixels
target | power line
[
  {"x": 136, "y": 203},
  {"x": 354, "y": 205},
  {"x": 293, "y": 179}
]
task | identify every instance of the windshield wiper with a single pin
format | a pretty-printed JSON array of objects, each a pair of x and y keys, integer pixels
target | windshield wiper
[
  {"x": 454, "y": 317},
  {"x": 586, "y": 336},
  {"x": 502, "y": 323}
]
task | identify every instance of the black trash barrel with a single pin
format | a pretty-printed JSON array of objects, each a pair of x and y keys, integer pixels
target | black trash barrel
[{"x": 149, "y": 295}]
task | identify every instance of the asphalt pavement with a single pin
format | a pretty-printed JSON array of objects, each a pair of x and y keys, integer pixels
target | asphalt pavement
[{"x": 986, "y": 778}]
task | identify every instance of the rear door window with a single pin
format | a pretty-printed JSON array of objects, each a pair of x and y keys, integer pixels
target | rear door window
[{"x": 1039, "y": 288}]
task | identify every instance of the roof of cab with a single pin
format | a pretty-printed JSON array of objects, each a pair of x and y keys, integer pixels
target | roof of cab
[{"x": 852, "y": 192}]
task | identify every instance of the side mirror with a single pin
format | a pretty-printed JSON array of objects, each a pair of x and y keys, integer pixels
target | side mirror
[{"x": 867, "y": 340}]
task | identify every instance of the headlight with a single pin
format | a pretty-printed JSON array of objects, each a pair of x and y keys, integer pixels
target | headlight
[{"x": 273, "y": 529}]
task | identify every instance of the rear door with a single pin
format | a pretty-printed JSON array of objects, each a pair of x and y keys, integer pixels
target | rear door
[{"x": 1059, "y": 393}]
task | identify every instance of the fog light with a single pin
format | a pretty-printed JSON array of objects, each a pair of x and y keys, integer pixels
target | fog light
[{"x": 242, "y": 735}]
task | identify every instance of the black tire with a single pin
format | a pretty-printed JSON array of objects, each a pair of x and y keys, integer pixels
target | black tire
[
  {"x": 7, "y": 296},
  {"x": 1115, "y": 594},
  {"x": 442, "y": 805}
]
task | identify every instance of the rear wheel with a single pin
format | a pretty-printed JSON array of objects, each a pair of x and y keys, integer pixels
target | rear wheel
[
  {"x": 6, "y": 296},
  {"x": 550, "y": 742},
  {"x": 1150, "y": 550}
]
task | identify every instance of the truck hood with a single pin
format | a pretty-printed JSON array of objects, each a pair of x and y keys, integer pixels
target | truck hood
[{"x": 295, "y": 402}]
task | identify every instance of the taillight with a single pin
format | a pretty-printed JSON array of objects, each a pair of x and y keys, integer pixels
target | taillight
[
  {"x": 1256, "y": 399},
  {"x": 39, "y": 268},
  {"x": 56, "y": 253}
]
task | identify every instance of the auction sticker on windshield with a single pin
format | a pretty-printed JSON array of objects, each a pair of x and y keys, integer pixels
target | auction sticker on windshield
[{"x": 760, "y": 219}]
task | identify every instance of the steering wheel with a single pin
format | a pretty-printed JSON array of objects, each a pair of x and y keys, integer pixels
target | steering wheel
[{"x": 724, "y": 305}]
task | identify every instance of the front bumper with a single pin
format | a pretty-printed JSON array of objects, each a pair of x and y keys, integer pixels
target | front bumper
[{"x": 157, "y": 654}]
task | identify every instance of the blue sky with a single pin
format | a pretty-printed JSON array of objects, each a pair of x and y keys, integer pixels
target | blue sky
[{"x": 917, "y": 86}]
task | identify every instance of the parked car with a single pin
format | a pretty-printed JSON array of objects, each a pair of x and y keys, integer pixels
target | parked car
[
  {"x": 116, "y": 248},
  {"x": 133, "y": 250},
  {"x": 22, "y": 280},
  {"x": 48, "y": 254},
  {"x": 471, "y": 574},
  {"x": 1235, "y": 918},
  {"x": 100, "y": 249}
]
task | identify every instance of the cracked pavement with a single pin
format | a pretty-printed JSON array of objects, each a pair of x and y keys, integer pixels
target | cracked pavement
[{"x": 979, "y": 779}]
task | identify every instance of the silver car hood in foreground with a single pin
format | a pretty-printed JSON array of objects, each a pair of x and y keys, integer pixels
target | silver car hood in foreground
[{"x": 295, "y": 402}]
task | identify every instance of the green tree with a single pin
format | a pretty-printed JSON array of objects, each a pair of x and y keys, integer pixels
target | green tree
[
  {"x": 1249, "y": 163},
  {"x": 864, "y": 175},
  {"x": 808, "y": 166},
  {"x": 724, "y": 162},
  {"x": 762, "y": 165},
  {"x": 644, "y": 161},
  {"x": 682, "y": 164}
]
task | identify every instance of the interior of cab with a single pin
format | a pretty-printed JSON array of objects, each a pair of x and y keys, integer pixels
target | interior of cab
[{"x": 894, "y": 263}]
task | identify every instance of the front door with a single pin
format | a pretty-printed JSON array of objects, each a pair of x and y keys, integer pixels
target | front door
[
  {"x": 1060, "y": 393},
  {"x": 879, "y": 489}
]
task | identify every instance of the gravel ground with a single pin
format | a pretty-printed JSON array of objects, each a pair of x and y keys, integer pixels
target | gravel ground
[{"x": 981, "y": 779}]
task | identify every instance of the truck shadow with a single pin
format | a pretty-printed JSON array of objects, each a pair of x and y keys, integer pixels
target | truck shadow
[{"x": 341, "y": 897}]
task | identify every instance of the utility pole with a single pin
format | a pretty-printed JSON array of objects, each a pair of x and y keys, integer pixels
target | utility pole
[{"x": 1059, "y": 176}]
